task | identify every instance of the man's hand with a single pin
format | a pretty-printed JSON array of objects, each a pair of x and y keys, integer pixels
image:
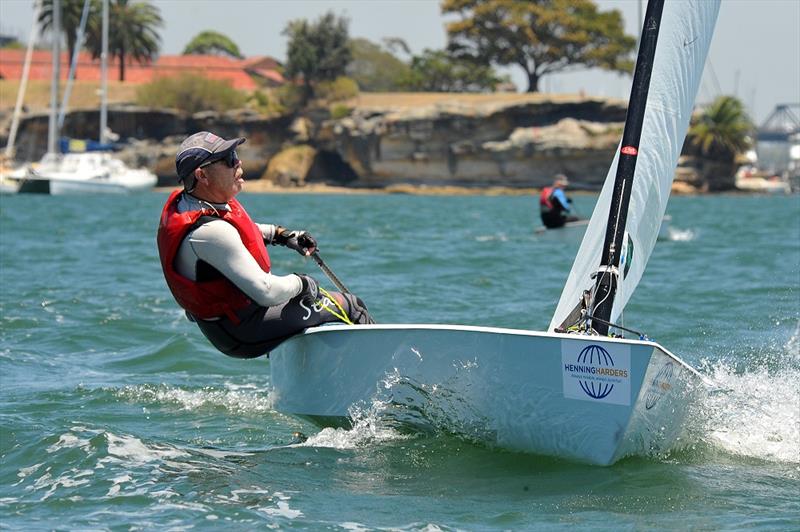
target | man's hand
[{"x": 300, "y": 241}]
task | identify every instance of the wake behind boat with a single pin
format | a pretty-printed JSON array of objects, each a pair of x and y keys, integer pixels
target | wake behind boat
[{"x": 575, "y": 391}]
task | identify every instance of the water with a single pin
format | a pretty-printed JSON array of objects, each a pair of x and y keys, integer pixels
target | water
[{"x": 117, "y": 413}]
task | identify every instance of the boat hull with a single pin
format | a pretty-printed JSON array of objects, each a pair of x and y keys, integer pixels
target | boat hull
[
  {"x": 85, "y": 173},
  {"x": 582, "y": 398},
  {"x": 58, "y": 186}
]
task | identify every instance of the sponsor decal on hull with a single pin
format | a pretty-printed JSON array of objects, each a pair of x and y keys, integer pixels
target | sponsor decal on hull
[
  {"x": 659, "y": 386},
  {"x": 597, "y": 373}
]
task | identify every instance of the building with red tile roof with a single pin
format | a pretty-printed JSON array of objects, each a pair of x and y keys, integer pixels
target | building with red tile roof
[{"x": 243, "y": 74}]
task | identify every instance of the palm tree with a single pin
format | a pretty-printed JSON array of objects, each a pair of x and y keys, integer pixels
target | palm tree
[
  {"x": 722, "y": 130},
  {"x": 71, "y": 11},
  {"x": 131, "y": 34},
  {"x": 212, "y": 42}
]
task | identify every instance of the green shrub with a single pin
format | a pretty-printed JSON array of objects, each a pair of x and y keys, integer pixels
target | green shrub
[
  {"x": 290, "y": 97},
  {"x": 259, "y": 99},
  {"x": 339, "y": 110},
  {"x": 190, "y": 93},
  {"x": 342, "y": 88}
]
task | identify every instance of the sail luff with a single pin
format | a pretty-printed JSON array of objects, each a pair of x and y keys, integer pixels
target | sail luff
[{"x": 606, "y": 280}]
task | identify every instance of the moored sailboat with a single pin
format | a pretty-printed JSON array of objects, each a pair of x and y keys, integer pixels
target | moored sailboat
[
  {"x": 86, "y": 172},
  {"x": 575, "y": 391},
  {"x": 82, "y": 172}
]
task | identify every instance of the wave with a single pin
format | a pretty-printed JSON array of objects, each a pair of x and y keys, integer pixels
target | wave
[
  {"x": 675, "y": 234},
  {"x": 231, "y": 397},
  {"x": 756, "y": 413}
]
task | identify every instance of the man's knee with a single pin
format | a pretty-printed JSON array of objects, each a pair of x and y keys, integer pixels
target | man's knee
[{"x": 357, "y": 311}]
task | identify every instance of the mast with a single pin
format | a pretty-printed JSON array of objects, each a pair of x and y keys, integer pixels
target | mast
[
  {"x": 52, "y": 125},
  {"x": 104, "y": 76},
  {"x": 608, "y": 274},
  {"x": 73, "y": 64},
  {"x": 23, "y": 84}
]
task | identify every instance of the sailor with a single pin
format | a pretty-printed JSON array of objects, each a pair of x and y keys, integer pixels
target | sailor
[
  {"x": 554, "y": 206},
  {"x": 215, "y": 260}
]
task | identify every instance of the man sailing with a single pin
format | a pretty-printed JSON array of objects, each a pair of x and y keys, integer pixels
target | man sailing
[
  {"x": 216, "y": 264},
  {"x": 554, "y": 206}
]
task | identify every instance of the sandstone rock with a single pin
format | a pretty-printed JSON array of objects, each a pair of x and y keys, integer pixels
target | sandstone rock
[
  {"x": 516, "y": 141},
  {"x": 290, "y": 167},
  {"x": 518, "y": 144}
]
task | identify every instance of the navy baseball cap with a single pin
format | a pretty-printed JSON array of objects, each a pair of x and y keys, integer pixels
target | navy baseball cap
[{"x": 199, "y": 148}]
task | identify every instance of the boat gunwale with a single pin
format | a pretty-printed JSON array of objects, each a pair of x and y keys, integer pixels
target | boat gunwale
[{"x": 505, "y": 331}]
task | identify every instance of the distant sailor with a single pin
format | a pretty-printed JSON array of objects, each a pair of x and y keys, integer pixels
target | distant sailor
[
  {"x": 554, "y": 206},
  {"x": 216, "y": 264}
]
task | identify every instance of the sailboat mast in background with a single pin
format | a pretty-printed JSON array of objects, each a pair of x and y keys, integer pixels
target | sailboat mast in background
[
  {"x": 608, "y": 274},
  {"x": 52, "y": 130},
  {"x": 23, "y": 84},
  {"x": 104, "y": 77}
]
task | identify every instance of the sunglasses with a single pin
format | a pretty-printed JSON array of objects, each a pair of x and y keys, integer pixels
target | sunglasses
[{"x": 231, "y": 159}]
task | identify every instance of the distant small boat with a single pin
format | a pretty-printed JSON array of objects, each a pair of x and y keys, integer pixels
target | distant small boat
[
  {"x": 567, "y": 227},
  {"x": 576, "y": 228},
  {"x": 89, "y": 172},
  {"x": 760, "y": 183},
  {"x": 10, "y": 178}
]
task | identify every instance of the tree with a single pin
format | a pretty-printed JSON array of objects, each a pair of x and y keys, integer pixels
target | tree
[
  {"x": 132, "y": 32},
  {"x": 375, "y": 69},
  {"x": 211, "y": 42},
  {"x": 190, "y": 93},
  {"x": 722, "y": 130},
  {"x": 540, "y": 36},
  {"x": 437, "y": 71},
  {"x": 71, "y": 12},
  {"x": 318, "y": 51}
]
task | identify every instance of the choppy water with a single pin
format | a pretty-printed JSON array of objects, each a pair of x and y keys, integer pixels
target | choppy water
[{"x": 116, "y": 412}]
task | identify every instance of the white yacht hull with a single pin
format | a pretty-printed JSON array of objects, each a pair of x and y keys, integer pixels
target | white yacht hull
[
  {"x": 86, "y": 173},
  {"x": 518, "y": 390},
  {"x": 98, "y": 185}
]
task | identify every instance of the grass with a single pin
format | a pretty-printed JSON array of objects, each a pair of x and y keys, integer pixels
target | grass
[{"x": 85, "y": 94}]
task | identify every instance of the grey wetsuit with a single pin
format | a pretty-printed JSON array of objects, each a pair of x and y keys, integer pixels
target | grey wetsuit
[{"x": 214, "y": 248}]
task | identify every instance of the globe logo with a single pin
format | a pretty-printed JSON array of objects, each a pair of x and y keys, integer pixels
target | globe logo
[{"x": 595, "y": 355}]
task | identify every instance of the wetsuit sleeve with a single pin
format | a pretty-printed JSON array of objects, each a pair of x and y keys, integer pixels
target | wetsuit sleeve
[
  {"x": 267, "y": 232},
  {"x": 562, "y": 199},
  {"x": 219, "y": 244}
]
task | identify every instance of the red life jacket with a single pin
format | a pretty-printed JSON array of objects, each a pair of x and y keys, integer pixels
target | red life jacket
[
  {"x": 545, "y": 198},
  {"x": 214, "y": 298}
]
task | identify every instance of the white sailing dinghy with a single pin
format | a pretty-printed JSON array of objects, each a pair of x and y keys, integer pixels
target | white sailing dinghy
[{"x": 575, "y": 391}]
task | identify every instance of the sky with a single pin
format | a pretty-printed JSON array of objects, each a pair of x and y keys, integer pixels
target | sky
[{"x": 755, "y": 52}]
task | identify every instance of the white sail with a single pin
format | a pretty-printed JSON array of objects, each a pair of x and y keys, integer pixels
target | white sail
[{"x": 684, "y": 38}]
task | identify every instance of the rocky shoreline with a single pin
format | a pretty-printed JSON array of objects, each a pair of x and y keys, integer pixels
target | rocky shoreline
[
  {"x": 401, "y": 143},
  {"x": 265, "y": 187}
]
